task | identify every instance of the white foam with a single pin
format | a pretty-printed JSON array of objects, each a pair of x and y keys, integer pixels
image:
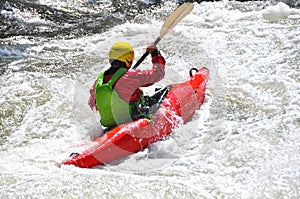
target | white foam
[{"x": 277, "y": 12}]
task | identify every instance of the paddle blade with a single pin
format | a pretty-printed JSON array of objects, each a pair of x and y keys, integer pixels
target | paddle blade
[{"x": 175, "y": 18}]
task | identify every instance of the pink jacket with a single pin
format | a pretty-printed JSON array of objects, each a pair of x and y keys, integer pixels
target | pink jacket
[{"x": 128, "y": 85}]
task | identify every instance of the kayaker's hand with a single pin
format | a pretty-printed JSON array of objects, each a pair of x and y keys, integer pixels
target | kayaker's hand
[
  {"x": 92, "y": 99},
  {"x": 151, "y": 48},
  {"x": 92, "y": 103}
]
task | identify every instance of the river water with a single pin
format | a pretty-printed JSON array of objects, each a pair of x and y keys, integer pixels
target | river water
[{"x": 244, "y": 142}]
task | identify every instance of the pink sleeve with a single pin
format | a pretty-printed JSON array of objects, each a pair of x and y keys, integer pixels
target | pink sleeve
[{"x": 134, "y": 79}]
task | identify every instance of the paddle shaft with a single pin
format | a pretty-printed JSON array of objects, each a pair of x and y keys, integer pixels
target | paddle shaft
[{"x": 145, "y": 55}]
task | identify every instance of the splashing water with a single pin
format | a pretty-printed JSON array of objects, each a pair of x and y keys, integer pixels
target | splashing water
[{"x": 242, "y": 143}]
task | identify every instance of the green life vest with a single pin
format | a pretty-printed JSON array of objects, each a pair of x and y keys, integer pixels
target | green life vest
[{"x": 112, "y": 109}]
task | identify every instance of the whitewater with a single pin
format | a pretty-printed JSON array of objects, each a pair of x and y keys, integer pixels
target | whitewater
[{"x": 244, "y": 142}]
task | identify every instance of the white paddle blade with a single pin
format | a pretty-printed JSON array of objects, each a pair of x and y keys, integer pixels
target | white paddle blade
[{"x": 176, "y": 17}]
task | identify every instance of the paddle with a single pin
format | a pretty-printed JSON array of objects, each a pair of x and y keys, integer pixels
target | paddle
[{"x": 169, "y": 24}]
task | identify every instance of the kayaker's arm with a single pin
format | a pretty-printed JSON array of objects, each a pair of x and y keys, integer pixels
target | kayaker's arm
[
  {"x": 134, "y": 79},
  {"x": 158, "y": 69},
  {"x": 158, "y": 66}
]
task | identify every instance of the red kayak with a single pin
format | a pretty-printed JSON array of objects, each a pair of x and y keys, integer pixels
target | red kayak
[{"x": 177, "y": 108}]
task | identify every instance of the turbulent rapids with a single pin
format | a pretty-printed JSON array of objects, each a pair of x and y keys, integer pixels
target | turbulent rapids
[{"x": 242, "y": 143}]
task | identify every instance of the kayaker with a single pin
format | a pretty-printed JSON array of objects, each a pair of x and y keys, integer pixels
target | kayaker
[{"x": 116, "y": 93}]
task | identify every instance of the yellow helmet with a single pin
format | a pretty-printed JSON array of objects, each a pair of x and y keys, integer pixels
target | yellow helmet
[{"x": 123, "y": 52}]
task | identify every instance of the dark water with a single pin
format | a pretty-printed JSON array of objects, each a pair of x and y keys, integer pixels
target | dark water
[
  {"x": 65, "y": 21},
  {"x": 38, "y": 22}
]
